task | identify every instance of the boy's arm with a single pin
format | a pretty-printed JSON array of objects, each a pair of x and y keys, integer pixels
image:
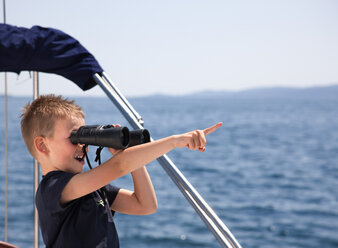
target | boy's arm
[
  {"x": 130, "y": 160},
  {"x": 140, "y": 202}
]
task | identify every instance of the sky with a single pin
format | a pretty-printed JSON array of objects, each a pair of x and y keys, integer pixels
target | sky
[{"x": 180, "y": 47}]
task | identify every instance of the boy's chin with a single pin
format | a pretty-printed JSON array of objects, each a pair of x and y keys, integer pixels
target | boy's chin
[
  {"x": 81, "y": 161},
  {"x": 79, "y": 165}
]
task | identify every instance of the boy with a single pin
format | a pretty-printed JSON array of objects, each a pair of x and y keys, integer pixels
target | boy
[{"x": 71, "y": 211}]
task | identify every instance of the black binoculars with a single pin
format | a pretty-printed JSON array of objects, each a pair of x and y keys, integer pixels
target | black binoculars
[{"x": 109, "y": 136}]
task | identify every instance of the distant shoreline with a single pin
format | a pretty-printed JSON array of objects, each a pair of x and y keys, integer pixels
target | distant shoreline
[{"x": 330, "y": 91}]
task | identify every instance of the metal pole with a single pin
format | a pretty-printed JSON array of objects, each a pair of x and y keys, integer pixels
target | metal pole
[
  {"x": 4, "y": 10},
  {"x": 215, "y": 225},
  {"x": 6, "y": 142},
  {"x": 6, "y": 159},
  {"x": 36, "y": 168},
  {"x": 124, "y": 100}
]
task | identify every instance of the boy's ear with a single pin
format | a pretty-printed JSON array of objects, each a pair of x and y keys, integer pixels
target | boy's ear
[{"x": 40, "y": 145}]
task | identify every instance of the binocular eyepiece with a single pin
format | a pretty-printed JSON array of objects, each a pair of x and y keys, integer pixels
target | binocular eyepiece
[{"x": 109, "y": 136}]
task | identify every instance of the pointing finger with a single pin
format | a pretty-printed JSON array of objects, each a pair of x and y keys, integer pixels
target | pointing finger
[{"x": 212, "y": 128}]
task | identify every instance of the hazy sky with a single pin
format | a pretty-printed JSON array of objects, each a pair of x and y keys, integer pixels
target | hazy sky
[{"x": 177, "y": 47}]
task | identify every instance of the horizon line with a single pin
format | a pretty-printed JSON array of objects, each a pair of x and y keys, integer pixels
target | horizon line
[{"x": 189, "y": 93}]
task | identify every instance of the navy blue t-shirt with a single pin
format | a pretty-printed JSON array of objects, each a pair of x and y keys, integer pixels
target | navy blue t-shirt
[{"x": 83, "y": 222}]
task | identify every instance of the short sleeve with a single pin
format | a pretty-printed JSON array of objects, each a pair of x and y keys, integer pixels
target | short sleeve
[
  {"x": 112, "y": 192},
  {"x": 51, "y": 188}
]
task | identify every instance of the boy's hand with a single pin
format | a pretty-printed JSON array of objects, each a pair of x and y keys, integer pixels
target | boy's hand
[
  {"x": 112, "y": 150},
  {"x": 195, "y": 139}
]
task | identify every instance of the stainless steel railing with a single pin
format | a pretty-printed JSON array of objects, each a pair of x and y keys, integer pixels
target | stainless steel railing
[
  {"x": 212, "y": 221},
  {"x": 6, "y": 141},
  {"x": 36, "y": 169}
]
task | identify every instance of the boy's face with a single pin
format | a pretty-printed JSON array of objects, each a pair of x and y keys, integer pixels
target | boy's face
[{"x": 63, "y": 155}]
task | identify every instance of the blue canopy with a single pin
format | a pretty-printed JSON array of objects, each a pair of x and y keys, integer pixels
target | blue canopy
[{"x": 46, "y": 50}]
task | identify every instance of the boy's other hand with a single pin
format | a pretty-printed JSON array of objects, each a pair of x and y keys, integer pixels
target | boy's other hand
[{"x": 195, "y": 139}]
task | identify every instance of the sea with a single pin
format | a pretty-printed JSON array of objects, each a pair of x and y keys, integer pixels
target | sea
[{"x": 270, "y": 172}]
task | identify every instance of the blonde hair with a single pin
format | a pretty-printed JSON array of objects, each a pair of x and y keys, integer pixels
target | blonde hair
[{"x": 38, "y": 118}]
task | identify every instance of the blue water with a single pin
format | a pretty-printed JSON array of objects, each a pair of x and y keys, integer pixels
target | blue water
[{"x": 270, "y": 173}]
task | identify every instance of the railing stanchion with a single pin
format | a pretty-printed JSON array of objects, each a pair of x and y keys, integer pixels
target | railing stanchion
[
  {"x": 6, "y": 141},
  {"x": 36, "y": 168}
]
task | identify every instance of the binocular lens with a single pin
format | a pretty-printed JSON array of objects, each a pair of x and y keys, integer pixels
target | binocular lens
[
  {"x": 139, "y": 136},
  {"x": 109, "y": 136}
]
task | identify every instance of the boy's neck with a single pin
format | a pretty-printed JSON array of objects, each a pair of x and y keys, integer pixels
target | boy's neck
[
  {"x": 45, "y": 169},
  {"x": 46, "y": 166}
]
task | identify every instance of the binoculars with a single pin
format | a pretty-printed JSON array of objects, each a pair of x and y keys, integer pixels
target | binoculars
[{"x": 109, "y": 136}]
